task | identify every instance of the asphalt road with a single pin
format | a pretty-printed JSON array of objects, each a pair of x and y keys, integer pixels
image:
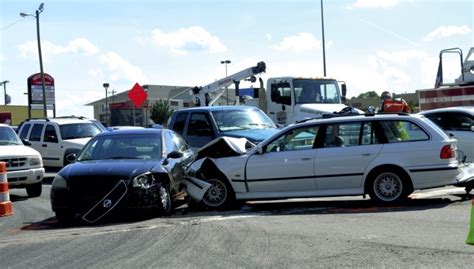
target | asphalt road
[{"x": 428, "y": 231}]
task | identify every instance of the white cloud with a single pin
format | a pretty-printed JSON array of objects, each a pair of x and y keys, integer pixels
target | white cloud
[
  {"x": 120, "y": 68},
  {"x": 375, "y": 3},
  {"x": 186, "y": 40},
  {"x": 49, "y": 49},
  {"x": 298, "y": 43},
  {"x": 446, "y": 31}
]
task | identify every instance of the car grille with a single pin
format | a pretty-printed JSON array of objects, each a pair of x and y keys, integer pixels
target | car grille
[
  {"x": 14, "y": 163},
  {"x": 87, "y": 192}
]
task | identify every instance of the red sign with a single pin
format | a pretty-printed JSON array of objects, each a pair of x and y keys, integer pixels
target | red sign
[{"x": 137, "y": 95}]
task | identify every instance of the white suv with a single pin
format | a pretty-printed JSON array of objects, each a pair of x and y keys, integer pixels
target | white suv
[
  {"x": 58, "y": 139},
  {"x": 24, "y": 165}
]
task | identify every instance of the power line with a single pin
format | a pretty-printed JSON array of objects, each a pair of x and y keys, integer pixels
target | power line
[{"x": 11, "y": 24}]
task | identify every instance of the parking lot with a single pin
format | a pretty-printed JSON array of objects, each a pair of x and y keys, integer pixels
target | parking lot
[{"x": 428, "y": 230}]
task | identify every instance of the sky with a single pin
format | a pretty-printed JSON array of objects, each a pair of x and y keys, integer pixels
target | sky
[{"x": 372, "y": 45}]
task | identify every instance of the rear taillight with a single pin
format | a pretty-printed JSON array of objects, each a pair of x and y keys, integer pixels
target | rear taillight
[{"x": 447, "y": 152}]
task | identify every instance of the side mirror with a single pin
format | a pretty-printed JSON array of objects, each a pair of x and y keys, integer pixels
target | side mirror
[
  {"x": 472, "y": 128},
  {"x": 174, "y": 155},
  {"x": 26, "y": 142},
  {"x": 343, "y": 90}
]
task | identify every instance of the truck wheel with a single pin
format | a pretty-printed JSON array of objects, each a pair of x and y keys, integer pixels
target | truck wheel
[
  {"x": 219, "y": 196},
  {"x": 34, "y": 190}
]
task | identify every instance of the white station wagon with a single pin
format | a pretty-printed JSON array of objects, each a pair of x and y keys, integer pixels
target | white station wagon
[{"x": 387, "y": 156}]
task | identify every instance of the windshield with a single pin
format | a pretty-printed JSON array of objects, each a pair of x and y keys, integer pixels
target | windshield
[
  {"x": 314, "y": 91},
  {"x": 78, "y": 130},
  {"x": 122, "y": 147},
  {"x": 229, "y": 120},
  {"x": 9, "y": 137}
]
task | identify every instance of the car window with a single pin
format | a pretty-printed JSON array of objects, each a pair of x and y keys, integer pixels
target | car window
[
  {"x": 369, "y": 135},
  {"x": 36, "y": 132},
  {"x": 199, "y": 125},
  {"x": 9, "y": 137},
  {"x": 78, "y": 130},
  {"x": 295, "y": 139},
  {"x": 403, "y": 131},
  {"x": 179, "y": 122},
  {"x": 457, "y": 121},
  {"x": 50, "y": 134},
  {"x": 179, "y": 142},
  {"x": 238, "y": 119},
  {"x": 24, "y": 131},
  {"x": 170, "y": 145},
  {"x": 122, "y": 147},
  {"x": 342, "y": 134}
]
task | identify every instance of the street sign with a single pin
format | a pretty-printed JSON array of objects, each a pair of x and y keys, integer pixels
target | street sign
[
  {"x": 137, "y": 95},
  {"x": 36, "y": 91}
]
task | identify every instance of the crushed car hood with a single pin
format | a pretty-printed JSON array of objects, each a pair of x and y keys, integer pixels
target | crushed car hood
[{"x": 225, "y": 147}]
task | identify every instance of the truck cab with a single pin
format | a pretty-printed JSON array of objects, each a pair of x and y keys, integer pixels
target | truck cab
[{"x": 290, "y": 99}]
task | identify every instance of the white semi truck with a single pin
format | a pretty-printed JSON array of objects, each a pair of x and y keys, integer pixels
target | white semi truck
[{"x": 285, "y": 99}]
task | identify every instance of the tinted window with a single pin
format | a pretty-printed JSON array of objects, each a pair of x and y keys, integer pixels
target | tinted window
[
  {"x": 50, "y": 134},
  {"x": 36, "y": 132},
  {"x": 281, "y": 93},
  {"x": 402, "y": 131},
  {"x": 199, "y": 125},
  {"x": 179, "y": 122},
  {"x": 24, "y": 131},
  {"x": 122, "y": 147}
]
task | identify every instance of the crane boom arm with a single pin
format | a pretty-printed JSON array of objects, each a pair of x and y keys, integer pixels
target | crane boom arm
[{"x": 200, "y": 93}]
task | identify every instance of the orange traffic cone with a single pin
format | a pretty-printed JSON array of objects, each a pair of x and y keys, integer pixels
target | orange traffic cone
[
  {"x": 470, "y": 236},
  {"x": 6, "y": 208}
]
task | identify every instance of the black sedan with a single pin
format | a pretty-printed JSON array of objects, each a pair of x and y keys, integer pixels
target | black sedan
[{"x": 123, "y": 169}]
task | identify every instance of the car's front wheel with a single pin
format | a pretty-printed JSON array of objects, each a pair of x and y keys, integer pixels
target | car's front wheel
[
  {"x": 34, "y": 190},
  {"x": 389, "y": 186},
  {"x": 165, "y": 205},
  {"x": 219, "y": 196}
]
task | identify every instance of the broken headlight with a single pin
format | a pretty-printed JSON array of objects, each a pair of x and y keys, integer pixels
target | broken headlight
[{"x": 145, "y": 181}]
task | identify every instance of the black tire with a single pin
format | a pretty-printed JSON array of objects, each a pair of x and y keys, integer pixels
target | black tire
[
  {"x": 165, "y": 205},
  {"x": 64, "y": 217},
  {"x": 34, "y": 190},
  {"x": 219, "y": 196},
  {"x": 389, "y": 186}
]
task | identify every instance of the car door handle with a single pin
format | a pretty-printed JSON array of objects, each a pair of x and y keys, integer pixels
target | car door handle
[
  {"x": 366, "y": 154},
  {"x": 44, "y": 145},
  {"x": 306, "y": 158}
]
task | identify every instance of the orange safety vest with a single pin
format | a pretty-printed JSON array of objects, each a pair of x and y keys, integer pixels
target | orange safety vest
[{"x": 395, "y": 106}]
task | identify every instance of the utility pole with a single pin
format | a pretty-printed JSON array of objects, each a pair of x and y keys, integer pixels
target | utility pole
[
  {"x": 4, "y": 83},
  {"x": 226, "y": 62},
  {"x": 106, "y": 86},
  {"x": 324, "y": 45}
]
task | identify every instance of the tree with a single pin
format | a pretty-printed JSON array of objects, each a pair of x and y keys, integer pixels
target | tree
[
  {"x": 368, "y": 94},
  {"x": 161, "y": 111}
]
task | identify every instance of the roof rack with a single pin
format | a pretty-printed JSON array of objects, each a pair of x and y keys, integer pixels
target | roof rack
[
  {"x": 336, "y": 114},
  {"x": 71, "y": 117},
  {"x": 46, "y": 119}
]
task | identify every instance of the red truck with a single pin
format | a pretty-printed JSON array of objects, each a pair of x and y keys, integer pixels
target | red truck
[{"x": 459, "y": 93}]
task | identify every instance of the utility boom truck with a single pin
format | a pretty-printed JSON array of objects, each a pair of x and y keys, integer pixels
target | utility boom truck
[
  {"x": 459, "y": 93},
  {"x": 285, "y": 99}
]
